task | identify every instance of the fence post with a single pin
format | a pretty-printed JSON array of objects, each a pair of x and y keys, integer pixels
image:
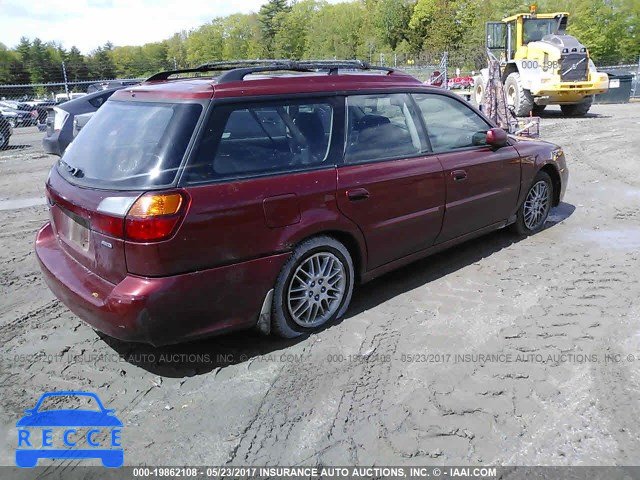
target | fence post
[
  {"x": 64, "y": 74},
  {"x": 445, "y": 61},
  {"x": 635, "y": 84}
]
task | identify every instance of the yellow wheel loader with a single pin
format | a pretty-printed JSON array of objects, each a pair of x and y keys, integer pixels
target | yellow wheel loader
[{"x": 541, "y": 65}]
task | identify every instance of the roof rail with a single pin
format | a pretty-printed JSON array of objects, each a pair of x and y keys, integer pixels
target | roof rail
[{"x": 236, "y": 70}]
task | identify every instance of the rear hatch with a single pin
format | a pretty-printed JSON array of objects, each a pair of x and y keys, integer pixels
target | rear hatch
[
  {"x": 75, "y": 217},
  {"x": 128, "y": 150}
]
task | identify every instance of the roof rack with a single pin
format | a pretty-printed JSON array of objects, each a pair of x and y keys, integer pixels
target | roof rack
[{"x": 236, "y": 70}]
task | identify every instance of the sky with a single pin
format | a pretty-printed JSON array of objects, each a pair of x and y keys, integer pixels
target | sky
[{"x": 88, "y": 24}]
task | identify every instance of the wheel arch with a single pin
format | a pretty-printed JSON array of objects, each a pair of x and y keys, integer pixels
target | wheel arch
[
  {"x": 510, "y": 68},
  {"x": 352, "y": 245},
  {"x": 556, "y": 180}
]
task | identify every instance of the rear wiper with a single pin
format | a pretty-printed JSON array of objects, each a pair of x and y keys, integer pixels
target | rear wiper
[{"x": 74, "y": 171}]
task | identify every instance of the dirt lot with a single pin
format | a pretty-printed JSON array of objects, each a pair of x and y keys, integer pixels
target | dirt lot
[{"x": 555, "y": 315}]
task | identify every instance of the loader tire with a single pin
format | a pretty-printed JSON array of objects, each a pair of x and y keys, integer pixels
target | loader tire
[
  {"x": 518, "y": 97},
  {"x": 577, "y": 109},
  {"x": 477, "y": 96}
]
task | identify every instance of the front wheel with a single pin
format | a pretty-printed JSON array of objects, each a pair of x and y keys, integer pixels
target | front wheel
[
  {"x": 534, "y": 211},
  {"x": 477, "y": 96},
  {"x": 518, "y": 97},
  {"x": 314, "y": 287}
]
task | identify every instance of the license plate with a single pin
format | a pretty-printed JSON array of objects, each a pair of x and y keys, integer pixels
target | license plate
[{"x": 76, "y": 233}]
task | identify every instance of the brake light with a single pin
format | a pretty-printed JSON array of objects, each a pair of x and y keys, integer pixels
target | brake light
[
  {"x": 155, "y": 216},
  {"x": 59, "y": 117},
  {"x": 112, "y": 226}
]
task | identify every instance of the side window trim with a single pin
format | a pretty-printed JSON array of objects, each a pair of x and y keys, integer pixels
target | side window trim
[{"x": 423, "y": 131}]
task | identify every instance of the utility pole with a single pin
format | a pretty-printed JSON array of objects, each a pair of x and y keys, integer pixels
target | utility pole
[
  {"x": 175, "y": 63},
  {"x": 66, "y": 85}
]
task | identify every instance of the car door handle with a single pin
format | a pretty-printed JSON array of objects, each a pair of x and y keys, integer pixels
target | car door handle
[
  {"x": 459, "y": 175},
  {"x": 357, "y": 194}
]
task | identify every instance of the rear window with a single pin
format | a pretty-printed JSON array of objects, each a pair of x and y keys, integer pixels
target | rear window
[{"x": 131, "y": 145}]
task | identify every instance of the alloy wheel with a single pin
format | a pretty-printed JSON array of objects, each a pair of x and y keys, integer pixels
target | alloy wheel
[
  {"x": 316, "y": 289},
  {"x": 536, "y": 205}
]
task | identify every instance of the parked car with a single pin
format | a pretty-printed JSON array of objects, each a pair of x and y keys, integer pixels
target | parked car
[
  {"x": 460, "y": 82},
  {"x": 6, "y": 130},
  {"x": 16, "y": 117},
  {"x": 64, "y": 97},
  {"x": 59, "y": 132},
  {"x": 109, "y": 84},
  {"x": 40, "y": 107},
  {"x": 258, "y": 198},
  {"x": 80, "y": 121}
]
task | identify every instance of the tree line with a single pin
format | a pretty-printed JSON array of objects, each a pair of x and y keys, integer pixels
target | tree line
[{"x": 403, "y": 31}]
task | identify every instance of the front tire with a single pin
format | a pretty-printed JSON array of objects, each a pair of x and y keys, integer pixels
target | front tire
[
  {"x": 313, "y": 288},
  {"x": 534, "y": 211},
  {"x": 517, "y": 96},
  {"x": 578, "y": 109},
  {"x": 478, "y": 91}
]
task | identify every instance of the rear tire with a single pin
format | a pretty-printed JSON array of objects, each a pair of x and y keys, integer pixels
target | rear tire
[
  {"x": 578, "y": 109},
  {"x": 534, "y": 211},
  {"x": 538, "y": 109},
  {"x": 313, "y": 288},
  {"x": 4, "y": 140},
  {"x": 477, "y": 97},
  {"x": 518, "y": 97}
]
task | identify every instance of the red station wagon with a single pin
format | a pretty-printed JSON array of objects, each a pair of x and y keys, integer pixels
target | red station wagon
[{"x": 193, "y": 205}]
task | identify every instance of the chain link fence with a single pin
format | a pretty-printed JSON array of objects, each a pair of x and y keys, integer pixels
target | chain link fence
[{"x": 26, "y": 105}]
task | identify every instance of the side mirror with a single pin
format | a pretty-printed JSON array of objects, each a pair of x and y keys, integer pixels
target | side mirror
[{"x": 497, "y": 137}]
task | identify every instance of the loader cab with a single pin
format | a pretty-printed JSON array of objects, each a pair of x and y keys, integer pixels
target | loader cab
[{"x": 506, "y": 39}]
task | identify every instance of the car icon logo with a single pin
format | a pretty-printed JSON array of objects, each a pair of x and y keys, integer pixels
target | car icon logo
[{"x": 75, "y": 426}]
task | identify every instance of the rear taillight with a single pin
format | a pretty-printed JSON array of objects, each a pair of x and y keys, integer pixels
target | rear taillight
[
  {"x": 151, "y": 217},
  {"x": 59, "y": 117},
  {"x": 155, "y": 216},
  {"x": 107, "y": 224}
]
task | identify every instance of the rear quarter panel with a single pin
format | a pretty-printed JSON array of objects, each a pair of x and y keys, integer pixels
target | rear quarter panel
[{"x": 234, "y": 221}]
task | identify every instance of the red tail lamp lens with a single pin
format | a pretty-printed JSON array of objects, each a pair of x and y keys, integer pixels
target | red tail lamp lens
[
  {"x": 154, "y": 217},
  {"x": 112, "y": 226}
]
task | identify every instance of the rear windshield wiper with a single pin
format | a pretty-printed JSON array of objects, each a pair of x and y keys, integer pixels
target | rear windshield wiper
[{"x": 74, "y": 171}]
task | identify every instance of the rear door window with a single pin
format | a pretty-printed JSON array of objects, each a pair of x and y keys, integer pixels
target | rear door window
[
  {"x": 263, "y": 139},
  {"x": 381, "y": 127},
  {"x": 451, "y": 125}
]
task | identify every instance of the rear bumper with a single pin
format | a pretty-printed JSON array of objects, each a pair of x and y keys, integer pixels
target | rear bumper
[
  {"x": 163, "y": 310},
  {"x": 51, "y": 144}
]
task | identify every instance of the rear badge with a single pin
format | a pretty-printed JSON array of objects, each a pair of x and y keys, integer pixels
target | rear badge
[{"x": 106, "y": 244}]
